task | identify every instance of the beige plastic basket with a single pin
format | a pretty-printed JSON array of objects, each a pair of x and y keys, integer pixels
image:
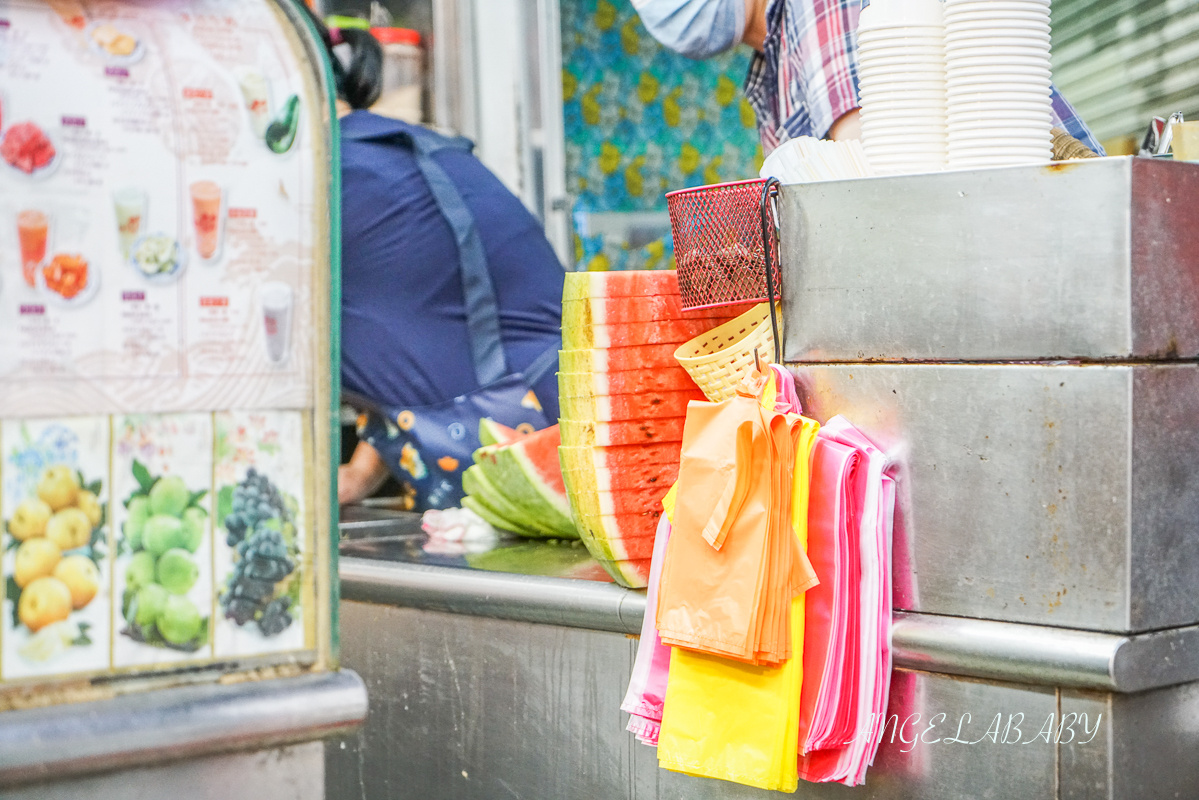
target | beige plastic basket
[{"x": 719, "y": 359}]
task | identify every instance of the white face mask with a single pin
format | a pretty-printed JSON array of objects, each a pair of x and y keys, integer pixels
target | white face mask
[{"x": 694, "y": 28}]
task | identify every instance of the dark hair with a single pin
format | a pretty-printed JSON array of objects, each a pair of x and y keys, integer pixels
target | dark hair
[{"x": 360, "y": 83}]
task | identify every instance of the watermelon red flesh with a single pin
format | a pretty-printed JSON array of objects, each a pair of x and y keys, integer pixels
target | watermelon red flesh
[
  {"x": 616, "y": 459},
  {"x": 630, "y": 283},
  {"x": 677, "y": 331},
  {"x": 629, "y": 382},
  {"x": 26, "y": 147},
  {"x": 629, "y": 477},
  {"x": 588, "y": 433},
  {"x": 627, "y": 406},
  {"x": 623, "y": 310},
  {"x": 618, "y": 359}
]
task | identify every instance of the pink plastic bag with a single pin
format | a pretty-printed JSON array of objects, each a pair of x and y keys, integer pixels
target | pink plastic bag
[
  {"x": 647, "y": 687},
  {"x": 847, "y": 642}
]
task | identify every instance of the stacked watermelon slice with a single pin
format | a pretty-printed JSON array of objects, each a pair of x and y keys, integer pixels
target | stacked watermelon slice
[
  {"x": 623, "y": 399},
  {"x": 516, "y": 483}
]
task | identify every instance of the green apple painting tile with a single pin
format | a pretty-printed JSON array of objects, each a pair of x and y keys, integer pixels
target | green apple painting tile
[
  {"x": 56, "y": 566},
  {"x": 260, "y": 533},
  {"x": 162, "y": 481}
]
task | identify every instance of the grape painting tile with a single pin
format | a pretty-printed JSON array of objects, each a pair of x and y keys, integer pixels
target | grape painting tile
[
  {"x": 260, "y": 529},
  {"x": 56, "y": 567},
  {"x": 162, "y": 482}
]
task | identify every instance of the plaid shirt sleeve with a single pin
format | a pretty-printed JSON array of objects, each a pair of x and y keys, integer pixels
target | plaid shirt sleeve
[{"x": 806, "y": 78}]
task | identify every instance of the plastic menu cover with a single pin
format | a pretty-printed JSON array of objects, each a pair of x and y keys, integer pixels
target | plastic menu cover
[
  {"x": 847, "y": 645},
  {"x": 165, "y": 267}
]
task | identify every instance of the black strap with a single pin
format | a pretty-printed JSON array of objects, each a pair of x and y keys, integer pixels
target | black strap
[{"x": 482, "y": 308}]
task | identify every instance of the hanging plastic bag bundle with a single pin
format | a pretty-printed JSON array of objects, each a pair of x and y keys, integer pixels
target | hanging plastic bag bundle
[
  {"x": 737, "y": 721},
  {"x": 847, "y": 642}
]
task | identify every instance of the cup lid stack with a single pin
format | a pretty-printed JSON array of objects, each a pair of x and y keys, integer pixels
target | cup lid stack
[
  {"x": 998, "y": 82},
  {"x": 902, "y": 85}
]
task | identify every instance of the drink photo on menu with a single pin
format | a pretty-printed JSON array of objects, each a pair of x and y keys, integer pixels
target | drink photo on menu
[{"x": 208, "y": 211}]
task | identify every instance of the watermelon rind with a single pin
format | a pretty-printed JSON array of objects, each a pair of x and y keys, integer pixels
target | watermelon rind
[
  {"x": 492, "y": 432},
  {"x": 490, "y": 516},
  {"x": 476, "y": 484}
]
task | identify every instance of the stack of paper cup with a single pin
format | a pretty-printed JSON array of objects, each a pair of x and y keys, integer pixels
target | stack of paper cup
[
  {"x": 998, "y": 82},
  {"x": 901, "y": 70}
]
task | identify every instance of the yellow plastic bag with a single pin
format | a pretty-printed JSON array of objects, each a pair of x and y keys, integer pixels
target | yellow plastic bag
[{"x": 735, "y": 721}]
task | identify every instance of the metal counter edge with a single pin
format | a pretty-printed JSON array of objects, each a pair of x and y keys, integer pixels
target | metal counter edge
[
  {"x": 972, "y": 648},
  {"x": 150, "y": 728}
]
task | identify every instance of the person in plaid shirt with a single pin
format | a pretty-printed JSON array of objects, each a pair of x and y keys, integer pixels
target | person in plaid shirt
[{"x": 803, "y": 80}]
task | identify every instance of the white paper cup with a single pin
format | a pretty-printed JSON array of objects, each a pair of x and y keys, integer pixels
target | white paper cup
[
  {"x": 999, "y": 73},
  {"x": 995, "y": 79}
]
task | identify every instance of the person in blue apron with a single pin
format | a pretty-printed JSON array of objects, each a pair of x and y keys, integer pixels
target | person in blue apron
[{"x": 451, "y": 296}]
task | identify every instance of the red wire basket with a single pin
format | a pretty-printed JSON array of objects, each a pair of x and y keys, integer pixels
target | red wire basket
[{"x": 718, "y": 247}]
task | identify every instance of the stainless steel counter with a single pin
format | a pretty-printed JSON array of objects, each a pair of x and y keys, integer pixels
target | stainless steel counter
[
  {"x": 488, "y": 684},
  {"x": 46, "y": 747}
]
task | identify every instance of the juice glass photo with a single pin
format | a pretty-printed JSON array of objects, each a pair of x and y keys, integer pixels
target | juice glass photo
[
  {"x": 256, "y": 94},
  {"x": 130, "y": 205},
  {"x": 206, "y": 216},
  {"x": 276, "y": 301},
  {"x": 33, "y": 228}
]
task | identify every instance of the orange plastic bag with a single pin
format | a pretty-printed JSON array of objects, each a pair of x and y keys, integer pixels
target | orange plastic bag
[{"x": 733, "y": 564}]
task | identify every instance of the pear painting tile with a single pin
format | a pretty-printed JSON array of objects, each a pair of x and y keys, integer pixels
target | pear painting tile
[
  {"x": 56, "y": 566},
  {"x": 260, "y": 531},
  {"x": 162, "y": 480}
]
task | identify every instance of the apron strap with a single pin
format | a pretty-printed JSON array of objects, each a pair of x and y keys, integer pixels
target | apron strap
[
  {"x": 544, "y": 362},
  {"x": 482, "y": 308}
]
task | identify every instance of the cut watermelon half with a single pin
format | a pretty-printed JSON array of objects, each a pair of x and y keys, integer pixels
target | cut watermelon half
[
  {"x": 627, "y": 406},
  {"x": 528, "y": 474},
  {"x": 630, "y": 382},
  {"x": 618, "y": 359},
  {"x": 589, "y": 433}
]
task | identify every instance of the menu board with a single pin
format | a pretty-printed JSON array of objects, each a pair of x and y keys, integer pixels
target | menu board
[
  {"x": 161, "y": 212},
  {"x": 156, "y": 196}
]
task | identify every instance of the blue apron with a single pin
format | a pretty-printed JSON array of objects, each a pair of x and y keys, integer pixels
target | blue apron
[{"x": 428, "y": 448}]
